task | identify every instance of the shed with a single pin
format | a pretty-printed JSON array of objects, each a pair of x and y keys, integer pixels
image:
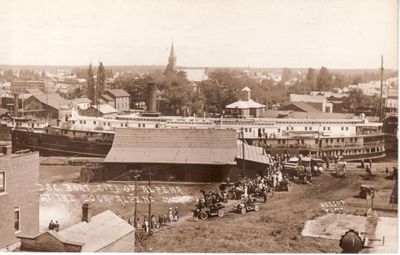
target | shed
[{"x": 174, "y": 154}]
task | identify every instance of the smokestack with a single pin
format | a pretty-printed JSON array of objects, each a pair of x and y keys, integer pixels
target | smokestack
[
  {"x": 151, "y": 97},
  {"x": 16, "y": 104},
  {"x": 86, "y": 212}
]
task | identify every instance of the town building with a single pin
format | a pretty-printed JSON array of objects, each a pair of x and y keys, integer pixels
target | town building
[
  {"x": 45, "y": 105},
  {"x": 171, "y": 67},
  {"x": 81, "y": 103},
  {"x": 19, "y": 197},
  {"x": 18, "y": 87},
  {"x": 310, "y": 103},
  {"x": 117, "y": 98},
  {"x": 101, "y": 110},
  {"x": 105, "y": 232},
  {"x": 174, "y": 154},
  {"x": 246, "y": 107}
]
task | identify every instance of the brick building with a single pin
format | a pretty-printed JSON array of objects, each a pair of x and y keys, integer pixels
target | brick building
[{"x": 19, "y": 197}]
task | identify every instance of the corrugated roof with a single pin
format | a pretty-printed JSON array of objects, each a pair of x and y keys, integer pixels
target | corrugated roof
[
  {"x": 252, "y": 153},
  {"x": 241, "y": 104},
  {"x": 174, "y": 146},
  {"x": 102, "y": 230},
  {"x": 118, "y": 92}
]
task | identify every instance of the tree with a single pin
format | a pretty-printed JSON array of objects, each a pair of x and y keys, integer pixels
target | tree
[
  {"x": 311, "y": 80},
  {"x": 101, "y": 79},
  {"x": 286, "y": 74},
  {"x": 90, "y": 85},
  {"x": 135, "y": 86},
  {"x": 324, "y": 79}
]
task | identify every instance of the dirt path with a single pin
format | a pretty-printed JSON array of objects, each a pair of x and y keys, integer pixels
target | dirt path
[{"x": 386, "y": 227}]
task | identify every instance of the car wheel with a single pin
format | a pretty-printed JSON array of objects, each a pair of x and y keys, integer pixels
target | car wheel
[
  {"x": 256, "y": 208},
  {"x": 243, "y": 210},
  {"x": 203, "y": 216},
  {"x": 220, "y": 212}
]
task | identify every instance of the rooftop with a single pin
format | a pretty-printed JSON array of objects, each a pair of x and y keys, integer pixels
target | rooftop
[
  {"x": 118, "y": 92},
  {"x": 241, "y": 104},
  {"x": 105, "y": 108},
  {"x": 81, "y": 100},
  {"x": 174, "y": 146},
  {"x": 52, "y": 99},
  {"x": 103, "y": 229},
  {"x": 252, "y": 153}
]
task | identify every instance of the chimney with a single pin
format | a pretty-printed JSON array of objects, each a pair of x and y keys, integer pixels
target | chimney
[
  {"x": 6, "y": 150},
  {"x": 151, "y": 97},
  {"x": 86, "y": 212}
]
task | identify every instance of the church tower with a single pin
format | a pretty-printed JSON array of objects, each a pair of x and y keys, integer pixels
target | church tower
[{"x": 171, "y": 67}]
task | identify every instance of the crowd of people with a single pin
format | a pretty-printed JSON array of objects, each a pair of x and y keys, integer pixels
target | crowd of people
[{"x": 151, "y": 224}]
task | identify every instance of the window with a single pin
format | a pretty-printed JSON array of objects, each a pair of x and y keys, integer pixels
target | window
[
  {"x": 17, "y": 218},
  {"x": 292, "y": 128},
  {"x": 305, "y": 128},
  {"x": 329, "y": 128},
  {"x": 324, "y": 128},
  {"x": 310, "y": 128},
  {"x": 342, "y": 128},
  {"x": 126, "y": 124},
  {"x": 342, "y": 140},
  {"x": 144, "y": 125},
  {"x": 2, "y": 181},
  {"x": 94, "y": 122},
  {"x": 347, "y": 128},
  {"x": 338, "y": 140}
]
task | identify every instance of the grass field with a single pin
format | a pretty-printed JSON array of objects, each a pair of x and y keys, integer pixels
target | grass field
[{"x": 276, "y": 227}]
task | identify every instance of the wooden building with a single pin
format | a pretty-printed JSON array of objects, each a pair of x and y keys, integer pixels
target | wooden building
[
  {"x": 174, "y": 154},
  {"x": 105, "y": 232}
]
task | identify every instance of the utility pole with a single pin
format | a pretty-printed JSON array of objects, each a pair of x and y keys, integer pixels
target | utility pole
[
  {"x": 381, "y": 100},
  {"x": 243, "y": 155},
  {"x": 135, "y": 174},
  {"x": 150, "y": 173}
]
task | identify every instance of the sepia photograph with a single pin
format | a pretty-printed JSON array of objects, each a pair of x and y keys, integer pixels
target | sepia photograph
[{"x": 184, "y": 126}]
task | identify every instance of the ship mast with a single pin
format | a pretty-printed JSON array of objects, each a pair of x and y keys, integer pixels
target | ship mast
[{"x": 381, "y": 99}]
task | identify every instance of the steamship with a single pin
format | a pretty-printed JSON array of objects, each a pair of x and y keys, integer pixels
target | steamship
[{"x": 77, "y": 135}]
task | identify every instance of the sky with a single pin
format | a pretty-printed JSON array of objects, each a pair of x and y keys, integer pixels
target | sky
[{"x": 213, "y": 33}]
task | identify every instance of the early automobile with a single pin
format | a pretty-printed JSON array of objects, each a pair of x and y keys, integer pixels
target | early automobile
[
  {"x": 207, "y": 211},
  {"x": 247, "y": 204}
]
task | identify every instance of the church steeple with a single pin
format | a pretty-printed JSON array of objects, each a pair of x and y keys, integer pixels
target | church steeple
[
  {"x": 171, "y": 67},
  {"x": 172, "y": 54}
]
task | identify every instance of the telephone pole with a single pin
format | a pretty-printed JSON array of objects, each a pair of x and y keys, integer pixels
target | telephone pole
[
  {"x": 135, "y": 174},
  {"x": 243, "y": 154},
  {"x": 381, "y": 99},
  {"x": 150, "y": 173}
]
